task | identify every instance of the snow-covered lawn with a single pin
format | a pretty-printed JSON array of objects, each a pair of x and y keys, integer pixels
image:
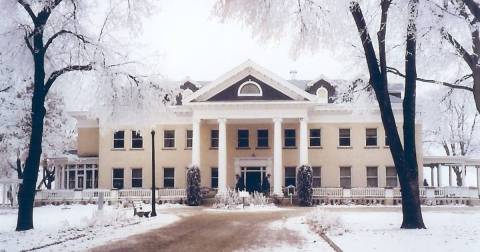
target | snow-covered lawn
[
  {"x": 76, "y": 227},
  {"x": 377, "y": 229}
]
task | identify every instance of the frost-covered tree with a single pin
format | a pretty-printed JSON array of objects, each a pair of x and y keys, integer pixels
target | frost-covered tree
[
  {"x": 451, "y": 124},
  {"x": 47, "y": 40},
  {"x": 194, "y": 195},
  {"x": 313, "y": 23},
  {"x": 304, "y": 185}
]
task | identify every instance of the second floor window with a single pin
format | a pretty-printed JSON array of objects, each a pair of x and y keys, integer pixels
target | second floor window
[
  {"x": 290, "y": 138},
  {"x": 371, "y": 137},
  {"x": 262, "y": 138},
  {"x": 119, "y": 139},
  {"x": 242, "y": 135},
  {"x": 214, "y": 139},
  {"x": 189, "y": 138},
  {"x": 315, "y": 140},
  {"x": 344, "y": 137},
  {"x": 137, "y": 140},
  {"x": 169, "y": 138}
]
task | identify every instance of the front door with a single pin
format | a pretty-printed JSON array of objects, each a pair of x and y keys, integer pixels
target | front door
[{"x": 253, "y": 178}]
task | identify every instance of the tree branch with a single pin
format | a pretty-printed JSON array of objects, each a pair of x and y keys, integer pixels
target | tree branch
[
  {"x": 5, "y": 89},
  {"x": 460, "y": 49},
  {"x": 51, "y": 39},
  {"x": 64, "y": 70},
  {"x": 450, "y": 85},
  {"x": 27, "y": 7},
  {"x": 473, "y": 7}
]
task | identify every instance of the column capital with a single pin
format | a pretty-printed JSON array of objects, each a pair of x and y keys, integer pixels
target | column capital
[
  {"x": 197, "y": 120},
  {"x": 304, "y": 119},
  {"x": 277, "y": 120},
  {"x": 222, "y": 120}
]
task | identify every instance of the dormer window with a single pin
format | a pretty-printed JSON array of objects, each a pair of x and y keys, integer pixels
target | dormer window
[
  {"x": 322, "y": 95},
  {"x": 250, "y": 88}
]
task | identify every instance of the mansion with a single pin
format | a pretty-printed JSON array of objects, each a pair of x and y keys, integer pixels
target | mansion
[{"x": 250, "y": 125}]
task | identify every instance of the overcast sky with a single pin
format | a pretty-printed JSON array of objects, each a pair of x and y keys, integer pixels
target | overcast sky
[{"x": 192, "y": 42}]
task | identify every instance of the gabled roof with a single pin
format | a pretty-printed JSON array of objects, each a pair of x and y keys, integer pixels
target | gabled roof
[{"x": 249, "y": 67}]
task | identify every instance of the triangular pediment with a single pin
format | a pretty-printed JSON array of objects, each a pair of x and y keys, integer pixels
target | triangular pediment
[{"x": 229, "y": 87}]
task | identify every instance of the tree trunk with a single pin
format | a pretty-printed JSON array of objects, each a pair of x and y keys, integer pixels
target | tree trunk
[
  {"x": 30, "y": 173},
  {"x": 476, "y": 86}
]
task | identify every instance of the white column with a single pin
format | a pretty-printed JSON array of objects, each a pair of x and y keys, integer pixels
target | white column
[
  {"x": 432, "y": 179},
  {"x": 303, "y": 152},
  {"x": 222, "y": 154},
  {"x": 478, "y": 177},
  {"x": 277, "y": 156},
  {"x": 62, "y": 171},
  {"x": 14, "y": 194},
  {"x": 84, "y": 176},
  {"x": 4, "y": 194},
  {"x": 196, "y": 142},
  {"x": 76, "y": 176},
  {"x": 93, "y": 176},
  {"x": 449, "y": 175}
]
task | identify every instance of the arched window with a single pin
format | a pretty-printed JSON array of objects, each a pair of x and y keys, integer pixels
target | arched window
[
  {"x": 322, "y": 95},
  {"x": 250, "y": 88}
]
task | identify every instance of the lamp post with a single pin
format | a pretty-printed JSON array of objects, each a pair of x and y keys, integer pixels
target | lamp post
[{"x": 154, "y": 212}]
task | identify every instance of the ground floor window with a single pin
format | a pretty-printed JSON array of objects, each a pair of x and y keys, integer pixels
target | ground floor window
[
  {"x": 118, "y": 178},
  {"x": 391, "y": 176},
  {"x": 345, "y": 176},
  {"x": 137, "y": 181},
  {"x": 316, "y": 181},
  {"x": 214, "y": 177},
  {"x": 79, "y": 176},
  {"x": 372, "y": 176},
  {"x": 290, "y": 176},
  {"x": 169, "y": 177}
]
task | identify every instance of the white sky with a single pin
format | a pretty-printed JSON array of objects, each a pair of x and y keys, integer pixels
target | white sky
[{"x": 192, "y": 42}]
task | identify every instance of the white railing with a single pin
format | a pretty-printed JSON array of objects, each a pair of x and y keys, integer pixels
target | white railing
[
  {"x": 373, "y": 192},
  {"x": 55, "y": 195},
  {"x": 135, "y": 193},
  {"x": 172, "y": 193},
  {"x": 94, "y": 193},
  {"x": 328, "y": 192}
]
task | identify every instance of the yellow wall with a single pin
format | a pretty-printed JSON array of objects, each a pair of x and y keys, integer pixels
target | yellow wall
[{"x": 87, "y": 142}]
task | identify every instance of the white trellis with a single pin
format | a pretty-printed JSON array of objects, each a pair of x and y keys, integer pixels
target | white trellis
[{"x": 9, "y": 190}]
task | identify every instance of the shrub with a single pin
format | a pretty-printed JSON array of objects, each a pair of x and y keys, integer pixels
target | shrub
[
  {"x": 227, "y": 199},
  {"x": 194, "y": 195},
  {"x": 304, "y": 185}
]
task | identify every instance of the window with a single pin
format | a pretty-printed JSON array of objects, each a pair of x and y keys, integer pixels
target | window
[
  {"x": 290, "y": 139},
  {"x": 189, "y": 138},
  {"x": 262, "y": 138},
  {"x": 242, "y": 135},
  {"x": 290, "y": 176},
  {"x": 372, "y": 176},
  {"x": 345, "y": 176},
  {"x": 214, "y": 177},
  {"x": 137, "y": 177},
  {"x": 371, "y": 137},
  {"x": 391, "y": 176},
  {"x": 169, "y": 177},
  {"x": 344, "y": 137},
  {"x": 315, "y": 138},
  {"x": 169, "y": 138},
  {"x": 249, "y": 88},
  {"x": 214, "y": 139},
  {"x": 322, "y": 95},
  {"x": 119, "y": 139},
  {"x": 137, "y": 140},
  {"x": 117, "y": 178},
  {"x": 317, "y": 181}
]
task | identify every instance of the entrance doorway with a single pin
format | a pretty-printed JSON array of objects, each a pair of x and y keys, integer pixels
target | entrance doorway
[{"x": 253, "y": 178}]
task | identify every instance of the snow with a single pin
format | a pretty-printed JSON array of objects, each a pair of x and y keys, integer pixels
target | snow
[
  {"x": 76, "y": 226},
  {"x": 247, "y": 208},
  {"x": 377, "y": 229}
]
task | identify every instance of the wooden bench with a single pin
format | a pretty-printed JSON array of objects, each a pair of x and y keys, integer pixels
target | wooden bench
[{"x": 140, "y": 209}]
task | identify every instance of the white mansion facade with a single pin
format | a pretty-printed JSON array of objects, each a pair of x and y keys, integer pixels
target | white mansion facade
[{"x": 249, "y": 124}]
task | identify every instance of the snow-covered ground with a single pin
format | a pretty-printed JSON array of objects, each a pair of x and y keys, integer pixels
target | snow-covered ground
[
  {"x": 76, "y": 227},
  {"x": 377, "y": 229}
]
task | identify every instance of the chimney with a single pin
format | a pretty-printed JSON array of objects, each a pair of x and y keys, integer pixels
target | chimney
[{"x": 293, "y": 74}]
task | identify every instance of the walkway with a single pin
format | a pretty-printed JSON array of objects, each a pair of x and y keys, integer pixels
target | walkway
[{"x": 224, "y": 231}]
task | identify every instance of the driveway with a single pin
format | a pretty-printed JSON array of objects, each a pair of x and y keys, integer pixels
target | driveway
[{"x": 204, "y": 230}]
